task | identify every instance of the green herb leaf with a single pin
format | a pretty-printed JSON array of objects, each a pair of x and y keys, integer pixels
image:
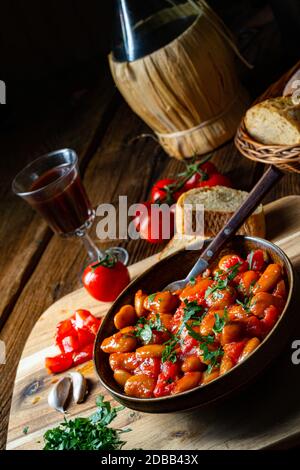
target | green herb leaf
[
  {"x": 151, "y": 297},
  {"x": 193, "y": 281},
  {"x": 146, "y": 334},
  {"x": 220, "y": 322},
  {"x": 25, "y": 430},
  {"x": 169, "y": 353}
]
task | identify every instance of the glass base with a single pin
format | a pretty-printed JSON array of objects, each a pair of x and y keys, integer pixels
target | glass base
[{"x": 120, "y": 253}]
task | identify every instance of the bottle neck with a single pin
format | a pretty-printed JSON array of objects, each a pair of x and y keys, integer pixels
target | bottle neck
[{"x": 141, "y": 30}]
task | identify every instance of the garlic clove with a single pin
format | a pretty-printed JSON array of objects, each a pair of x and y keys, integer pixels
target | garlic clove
[
  {"x": 59, "y": 394},
  {"x": 79, "y": 386}
]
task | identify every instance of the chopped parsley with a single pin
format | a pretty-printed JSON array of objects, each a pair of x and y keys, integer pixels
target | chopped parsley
[
  {"x": 245, "y": 304},
  {"x": 144, "y": 329},
  {"x": 151, "y": 297},
  {"x": 90, "y": 433},
  {"x": 169, "y": 353},
  {"x": 221, "y": 284},
  {"x": 193, "y": 281},
  {"x": 220, "y": 322},
  {"x": 212, "y": 356}
]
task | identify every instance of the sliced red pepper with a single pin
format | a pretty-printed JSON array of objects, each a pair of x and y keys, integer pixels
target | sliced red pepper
[
  {"x": 59, "y": 363},
  {"x": 70, "y": 343},
  {"x": 256, "y": 260},
  {"x": 85, "y": 354},
  {"x": 63, "y": 329},
  {"x": 270, "y": 318},
  {"x": 167, "y": 379},
  {"x": 80, "y": 318},
  {"x": 84, "y": 337},
  {"x": 234, "y": 350},
  {"x": 253, "y": 326}
]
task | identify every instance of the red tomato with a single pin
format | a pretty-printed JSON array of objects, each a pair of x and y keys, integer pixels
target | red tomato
[
  {"x": 150, "y": 366},
  {"x": 188, "y": 342},
  {"x": 166, "y": 379},
  {"x": 104, "y": 281},
  {"x": 159, "y": 337},
  {"x": 216, "y": 180},
  {"x": 253, "y": 326},
  {"x": 228, "y": 262},
  {"x": 164, "y": 191},
  {"x": 270, "y": 318},
  {"x": 59, "y": 363},
  {"x": 203, "y": 174},
  {"x": 234, "y": 350},
  {"x": 170, "y": 369},
  {"x": 155, "y": 223},
  {"x": 83, "y": 355},
  {"x": 256, "y": 260}
]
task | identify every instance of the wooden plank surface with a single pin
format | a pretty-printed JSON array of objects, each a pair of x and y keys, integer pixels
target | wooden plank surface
[{"x": 247, "y": 421}]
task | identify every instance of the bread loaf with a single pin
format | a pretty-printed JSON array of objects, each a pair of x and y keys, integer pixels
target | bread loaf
[
  {"x": 275, "y": 121},
  {"x": 220, "y": 203}
]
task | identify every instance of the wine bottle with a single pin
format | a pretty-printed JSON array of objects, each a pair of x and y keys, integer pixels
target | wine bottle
[{"x": 144, "y": 26}]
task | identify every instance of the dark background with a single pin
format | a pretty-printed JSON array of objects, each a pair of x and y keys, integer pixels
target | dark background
[{"x": 49, "y": 48}]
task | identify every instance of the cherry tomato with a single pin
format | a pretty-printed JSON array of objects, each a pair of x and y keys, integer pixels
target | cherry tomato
[
  {"x": 270, "y": 318},
  {"x": 228, "y": 262},
  {"x": 234, "y": 350},
  {"x": 216, "y": 180},
  {"x": 254, "y": 326},
  {"x": 105, "y": 280},
  {"x": 256, "y": 260},
  {"x": 59, "y": 363},
  {"x": 163, "y": 191},
  {"x": 154, "y": 223},
  {"x": 203, "y": 174}
]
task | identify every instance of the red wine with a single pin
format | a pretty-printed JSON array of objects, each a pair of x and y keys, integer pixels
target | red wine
[{"x": 63, "y": 203}]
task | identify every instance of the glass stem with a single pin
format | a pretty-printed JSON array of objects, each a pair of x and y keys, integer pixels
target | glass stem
[{"x": 93, "y": 251}]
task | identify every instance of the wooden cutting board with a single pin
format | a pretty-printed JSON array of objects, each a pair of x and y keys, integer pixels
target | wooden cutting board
[{"x": 266, "y": 414}]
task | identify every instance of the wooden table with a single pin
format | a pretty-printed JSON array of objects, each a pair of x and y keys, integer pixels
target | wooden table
[{"x": 37, "y": 267}]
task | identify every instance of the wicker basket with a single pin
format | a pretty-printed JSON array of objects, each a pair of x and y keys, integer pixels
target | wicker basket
[{"x": 286, "y": 158}]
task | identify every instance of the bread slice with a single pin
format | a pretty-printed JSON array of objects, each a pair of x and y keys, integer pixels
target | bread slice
[
  {"x": 275, "y": 121},
  {"x": 220, "y": 203}
]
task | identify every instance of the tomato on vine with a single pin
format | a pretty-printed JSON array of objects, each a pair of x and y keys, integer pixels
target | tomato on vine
[{"x": 105, "y": 280}]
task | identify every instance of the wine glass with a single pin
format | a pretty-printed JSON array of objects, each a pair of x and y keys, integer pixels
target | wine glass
[{"x": 51, "y": 184}]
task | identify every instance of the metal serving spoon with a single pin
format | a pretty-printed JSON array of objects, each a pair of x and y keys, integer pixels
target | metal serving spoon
[{"x": 263, "y": 186}]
